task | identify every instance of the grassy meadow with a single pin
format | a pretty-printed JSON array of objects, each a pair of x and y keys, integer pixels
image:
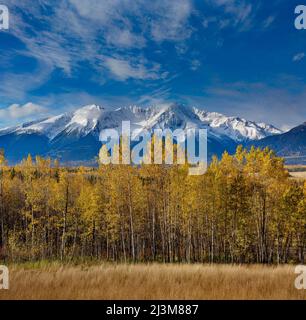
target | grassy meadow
[
  {"x": 152, "y": 281},
  {"x": 297, "y": 171},
  {"x": 301, "y": 175}
]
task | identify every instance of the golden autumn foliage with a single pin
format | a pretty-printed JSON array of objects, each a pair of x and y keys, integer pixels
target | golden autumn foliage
[{"x": 245, "y": 209}]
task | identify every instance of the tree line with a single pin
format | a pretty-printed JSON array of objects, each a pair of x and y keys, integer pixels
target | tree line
[{"x": 245, "y": 209}]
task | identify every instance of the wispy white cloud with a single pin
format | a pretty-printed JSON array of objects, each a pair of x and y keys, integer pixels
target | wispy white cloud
[
  {"x": 16, "y": 111},
  {"x": 171, "y": 21},
  {"x": 161, "y": 19},
  {"x": 125, "y": 39},
  {"x": 125, "y": 69},
  {"x": 239, "y": 13},
  {"x": 195, "y": 64},
  {"x": 15, "y": 86},
  {"x": 298, "y": 57},
  {"x": 258, "y": 101},
  {"x": 78, "y": 31},
  {"x": 268, "y": 22},
  {"x": 156, "y": 97}
]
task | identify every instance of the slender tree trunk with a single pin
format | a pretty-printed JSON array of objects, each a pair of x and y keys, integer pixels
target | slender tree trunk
[
  {"x": 131, "y": 221},
  {"x": 64, "y": 224}
]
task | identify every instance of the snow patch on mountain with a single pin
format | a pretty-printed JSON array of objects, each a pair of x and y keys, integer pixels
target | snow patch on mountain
[{"x": 236, "y": 128}]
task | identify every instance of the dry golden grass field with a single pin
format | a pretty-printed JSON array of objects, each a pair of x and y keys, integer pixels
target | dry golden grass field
[
  {"x": 155, "y": 281},
  {"x": 298, "y": 175},
  {"x": 297, "y": 171}
]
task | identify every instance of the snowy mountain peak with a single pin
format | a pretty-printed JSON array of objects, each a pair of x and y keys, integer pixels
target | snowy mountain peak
[
  {"x": 93, "y": 118},
  {"x": 85, "y": 119},
  {"x": 236, "y": 128}
]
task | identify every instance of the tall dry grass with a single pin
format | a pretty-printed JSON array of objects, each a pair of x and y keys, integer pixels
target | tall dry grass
[
  {"x": 300, "y": 175},
  {"x": 152, "y": 282}
]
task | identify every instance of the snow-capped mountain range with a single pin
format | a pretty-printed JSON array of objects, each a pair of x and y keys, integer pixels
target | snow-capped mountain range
[{"x": 74, "y": 136}]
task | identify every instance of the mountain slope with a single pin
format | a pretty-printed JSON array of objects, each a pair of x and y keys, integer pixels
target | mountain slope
[
  {"x": 291, "y": 144},
  {"x": 74, "y": 137}
]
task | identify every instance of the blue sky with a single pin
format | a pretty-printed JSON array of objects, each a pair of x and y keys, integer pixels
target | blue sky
[{"x": 237, "y": 57}]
